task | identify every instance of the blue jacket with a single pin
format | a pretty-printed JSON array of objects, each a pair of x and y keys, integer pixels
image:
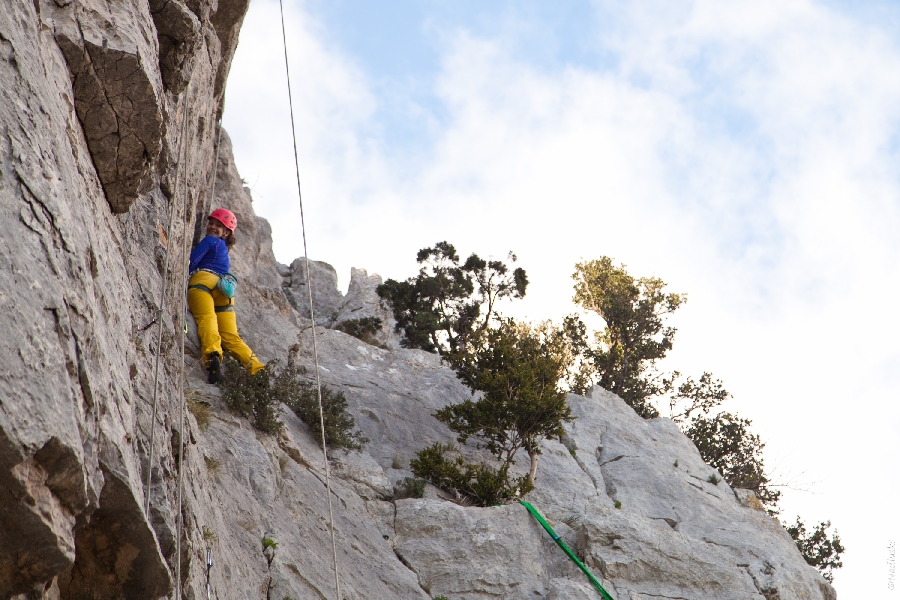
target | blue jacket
[{"x": 212, "y": 254}]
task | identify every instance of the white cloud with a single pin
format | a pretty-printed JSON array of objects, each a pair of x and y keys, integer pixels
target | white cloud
[{"x": 746, "y": 155}]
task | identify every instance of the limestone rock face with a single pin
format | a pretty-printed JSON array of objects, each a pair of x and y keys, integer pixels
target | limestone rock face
[
  {"x": 333, "y": 308},
  {"x": 465, "y": 552},
  {"x": 178, "y": 31},
  {"x": 111, "y": 53},
  {"x": 734, "y": 542},
  {"x": 676, "y": 534},
  {"x": 89, "y": 138},
  {"x": 325, "y": 294},
  {"x": 362, "y": 301}
]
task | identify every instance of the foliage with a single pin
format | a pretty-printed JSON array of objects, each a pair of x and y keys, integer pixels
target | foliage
[
  {"x": 726, "y": 444},
  {"x": 623, "y": 359},
  {"x": 209, "y": 535},
  {"x": 268, "y": 542},
  {"x": 252, "y": 396},
  {"x": 363, "y": 329},
  {"x": 450, "y": 302},
  {"x": 696, "y": 396},
  {"x": 480, "y": 483},
  {"x": 815, "y": 546},
  {"x": 517, "y": 370},
  {"x": 410, "y": 487},
  {"x": 213, "y": 464},
  {"x": 257, "y": 397},
  {"x": 201, "y": 409},
  {"x": 572, "y": 521},
  {"x": 301, "y": 396}
]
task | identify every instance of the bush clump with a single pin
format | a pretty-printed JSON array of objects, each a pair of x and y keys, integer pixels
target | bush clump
[
  {"x": 363, "y": 329},
  {"x": 252, "y": 396},
  {"x": 303, "y": 400},
  {"x": 410, "y": 487},
  {"x": 480, "y": 483},
  {"x": 817, "y": 548},
  {"x": 257, "y": 398}
]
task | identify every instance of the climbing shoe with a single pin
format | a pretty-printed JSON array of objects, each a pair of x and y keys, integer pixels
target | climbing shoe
[{"x": 214, "y": 368}]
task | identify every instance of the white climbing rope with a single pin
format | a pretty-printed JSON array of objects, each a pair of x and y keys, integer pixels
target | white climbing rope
[
  {"x": 212, "y": 185},
  {"x": 162, "y": 299},
  {"x": 312, "y": 315},
  {"x": 179, "y": 167},
  {"x": 181, "y": 435}
]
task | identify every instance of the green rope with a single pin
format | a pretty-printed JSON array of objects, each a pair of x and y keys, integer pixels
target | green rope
[{"x": 569, "y": 553}]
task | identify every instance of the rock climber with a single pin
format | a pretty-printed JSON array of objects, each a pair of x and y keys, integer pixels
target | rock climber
[{"x": 211, "y": 296}]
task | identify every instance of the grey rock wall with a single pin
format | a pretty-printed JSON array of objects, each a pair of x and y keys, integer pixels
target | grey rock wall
[{"x": 90, "y": 144}]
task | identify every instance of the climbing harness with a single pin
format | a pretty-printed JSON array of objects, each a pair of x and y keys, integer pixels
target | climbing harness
[
  {"x": 227, "y": 284},
  {"x": 337, "y": 585},
  {"x": 569, "y": 553},
  {"x": 162, "y": 298}
]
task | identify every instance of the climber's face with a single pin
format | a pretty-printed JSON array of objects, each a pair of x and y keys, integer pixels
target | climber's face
[{"x": 215, "y": 228}]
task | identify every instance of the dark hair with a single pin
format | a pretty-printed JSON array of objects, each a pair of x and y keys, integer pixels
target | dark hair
[{"x": 230, "y": 239}]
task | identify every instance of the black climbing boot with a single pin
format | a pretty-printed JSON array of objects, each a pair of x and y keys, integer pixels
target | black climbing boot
[{"x": 213, "y": 369}]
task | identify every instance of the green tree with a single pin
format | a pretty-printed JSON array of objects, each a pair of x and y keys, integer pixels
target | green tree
[
  {"x": 253, "y": 396},
  {"x": 514, "y": 372},
  {"x": 696, "y": 396},
  {"x": 726, "y": 444},
  {"x": 450, "y": 302},
  {"x": 258, "y": 397},
  {"x": 482, "y": 484},
  {"x": 517, "y": 369},
  {"x": 817, "y": 548},
  {"x": 623, "y": 360}
]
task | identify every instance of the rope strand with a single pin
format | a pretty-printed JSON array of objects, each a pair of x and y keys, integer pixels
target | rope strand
[
  {"x": 312, "y": 316},
  {"x": 162, "y": 299},
  {"x": 181, "y": 437}
]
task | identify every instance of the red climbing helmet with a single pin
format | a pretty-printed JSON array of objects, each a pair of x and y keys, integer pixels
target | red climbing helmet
[{"x": 226, "y": 217}]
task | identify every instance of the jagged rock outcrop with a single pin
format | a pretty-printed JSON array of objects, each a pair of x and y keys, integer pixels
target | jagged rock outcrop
[
  {"x": 116, "y": 89},
  {"x": 178, "y": 30},
  {"x": 333, "y": 308},
  {"x": 325, "y": 294},
  {"x": 100, "y": 103}
]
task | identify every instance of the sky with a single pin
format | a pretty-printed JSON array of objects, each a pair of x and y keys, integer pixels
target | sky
[{"x": 745, "y": 153}]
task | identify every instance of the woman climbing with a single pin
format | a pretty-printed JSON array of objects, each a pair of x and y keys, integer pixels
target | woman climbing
[{"x": 211, "y": 296}]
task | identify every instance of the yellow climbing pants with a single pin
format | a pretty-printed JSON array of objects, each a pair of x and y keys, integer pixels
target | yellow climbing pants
[{"x": 216, "y": 321}]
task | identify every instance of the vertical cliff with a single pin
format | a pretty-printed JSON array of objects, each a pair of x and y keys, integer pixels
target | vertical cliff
[{"x": 107, "y": 120}]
